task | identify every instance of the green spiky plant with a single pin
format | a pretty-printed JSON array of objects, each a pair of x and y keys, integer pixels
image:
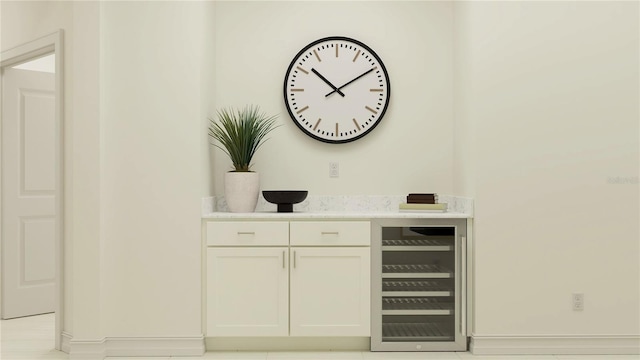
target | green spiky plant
[{"x": 240, "y": 133}]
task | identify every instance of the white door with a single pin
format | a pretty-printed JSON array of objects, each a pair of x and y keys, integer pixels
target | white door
[
  {"x": 330, "y": 291},
  {"x": 247, "y": 292},
  {"x": 30, "y": 145}
]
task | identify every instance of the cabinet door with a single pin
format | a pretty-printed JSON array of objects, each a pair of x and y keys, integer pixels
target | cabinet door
[
  {"x": 247, "y": 292},
  {"x": 330, "y": 291}
]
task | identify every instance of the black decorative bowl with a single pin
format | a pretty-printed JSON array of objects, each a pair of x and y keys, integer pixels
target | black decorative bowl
[{"x": 285, "y": 198}]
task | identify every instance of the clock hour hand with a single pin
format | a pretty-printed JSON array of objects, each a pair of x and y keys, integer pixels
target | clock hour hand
[
  {"x": 335, "y": 89},
  {"x": 352, "y": 80}
]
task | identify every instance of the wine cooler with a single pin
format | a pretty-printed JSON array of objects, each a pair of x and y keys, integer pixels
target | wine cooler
[{"x": 419, "y": 285}]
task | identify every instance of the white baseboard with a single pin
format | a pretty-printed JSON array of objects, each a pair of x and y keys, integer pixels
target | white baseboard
[
  {"x": 554, "y": 344},
  {"x": 132, "y": 346},
  {"x": 480, "y": 345},
  {"x": 87, "y": 349},
  {"x": 65, "y": 342}
]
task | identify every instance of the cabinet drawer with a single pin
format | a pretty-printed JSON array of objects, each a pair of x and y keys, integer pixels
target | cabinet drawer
[
  {"x": 252, "y": 233},
  {"x": 330, "y": 233}
]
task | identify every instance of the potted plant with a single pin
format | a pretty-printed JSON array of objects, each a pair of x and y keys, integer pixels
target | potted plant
[{"x": 240, "y": 133}]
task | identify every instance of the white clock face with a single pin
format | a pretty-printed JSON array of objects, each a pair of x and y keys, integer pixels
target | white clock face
[{"x": 336, "y": 89}]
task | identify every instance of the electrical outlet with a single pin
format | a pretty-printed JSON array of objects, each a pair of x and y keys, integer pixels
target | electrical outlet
[
  {"x": 334, "y": 170},
  {"x": 578, "y": 302}
]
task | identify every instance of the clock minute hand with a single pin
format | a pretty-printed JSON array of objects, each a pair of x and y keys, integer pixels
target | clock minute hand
[
  {"x": 335, "y": 89},
  {"x": 352, "y": 80}
]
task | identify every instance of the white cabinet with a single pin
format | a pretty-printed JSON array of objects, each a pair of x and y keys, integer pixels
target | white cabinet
[
  {"x": 330, "y": 291},
  {"x": 247, "y": 291},
  {"x": 298, "y": 278}
]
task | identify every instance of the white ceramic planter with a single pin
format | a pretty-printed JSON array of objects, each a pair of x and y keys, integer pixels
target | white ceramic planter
[{"x": 241, "y": 190}]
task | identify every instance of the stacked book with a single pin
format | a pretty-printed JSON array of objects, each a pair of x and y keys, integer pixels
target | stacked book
[{"x": 423, "y": 203}]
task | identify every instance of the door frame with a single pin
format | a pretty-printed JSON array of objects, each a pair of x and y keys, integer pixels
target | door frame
[{"x": 49, "y": 44}]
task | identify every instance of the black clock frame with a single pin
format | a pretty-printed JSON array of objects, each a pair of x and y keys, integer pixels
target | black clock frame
[{"x": 309, "y": 46}]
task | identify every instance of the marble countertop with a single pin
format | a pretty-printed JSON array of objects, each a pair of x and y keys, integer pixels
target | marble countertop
[
  {"x": 341, "y": 207},
  {"x": 337, "y": 215}
]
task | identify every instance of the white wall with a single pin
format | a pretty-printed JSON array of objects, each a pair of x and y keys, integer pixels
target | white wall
[
  {"x": 409, "y": 151},
  {"x": 83, "y": 143},
  {"x": 153, "y": 99},
  {"x": 547, "y": 107}
]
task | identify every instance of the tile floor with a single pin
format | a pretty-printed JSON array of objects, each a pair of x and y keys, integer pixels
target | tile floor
[{"x": 31, "y": 338}]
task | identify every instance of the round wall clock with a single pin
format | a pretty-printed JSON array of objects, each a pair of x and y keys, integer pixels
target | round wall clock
[{"x": 336, "y": 89}]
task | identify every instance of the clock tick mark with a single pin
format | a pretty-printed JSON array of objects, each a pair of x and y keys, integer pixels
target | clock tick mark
[
  {"x": 357, "y": 125},
  {"x": 355, "y": 57},
  {"x": 306, "y": 107},
  {"x": 366, "y": 107},
  {"x": 303, "y": 70},
  {"x": 317, "y": 123},
  {"x": 317, "y": 56}
]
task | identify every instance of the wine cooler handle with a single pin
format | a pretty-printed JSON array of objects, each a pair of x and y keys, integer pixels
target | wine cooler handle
[{"x": 463, "y": 285}]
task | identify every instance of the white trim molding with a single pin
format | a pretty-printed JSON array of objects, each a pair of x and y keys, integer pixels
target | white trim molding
[
  {"x": 99, "y": 349},
  {"x": 87, "y": 349},
  {"x": 65, "y": 342},
  {"x": 555, "y": 344}
]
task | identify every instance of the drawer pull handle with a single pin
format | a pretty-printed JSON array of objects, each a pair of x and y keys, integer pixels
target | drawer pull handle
[
  {"x": 330, "y": 233},
  {"x": 283, "y": 259},
  {"x": 294, "y": 259},
  {"x": 246, "y": 232}
]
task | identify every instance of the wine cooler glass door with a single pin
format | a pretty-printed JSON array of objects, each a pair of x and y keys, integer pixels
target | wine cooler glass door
[{"x": 418, "y": 297}]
